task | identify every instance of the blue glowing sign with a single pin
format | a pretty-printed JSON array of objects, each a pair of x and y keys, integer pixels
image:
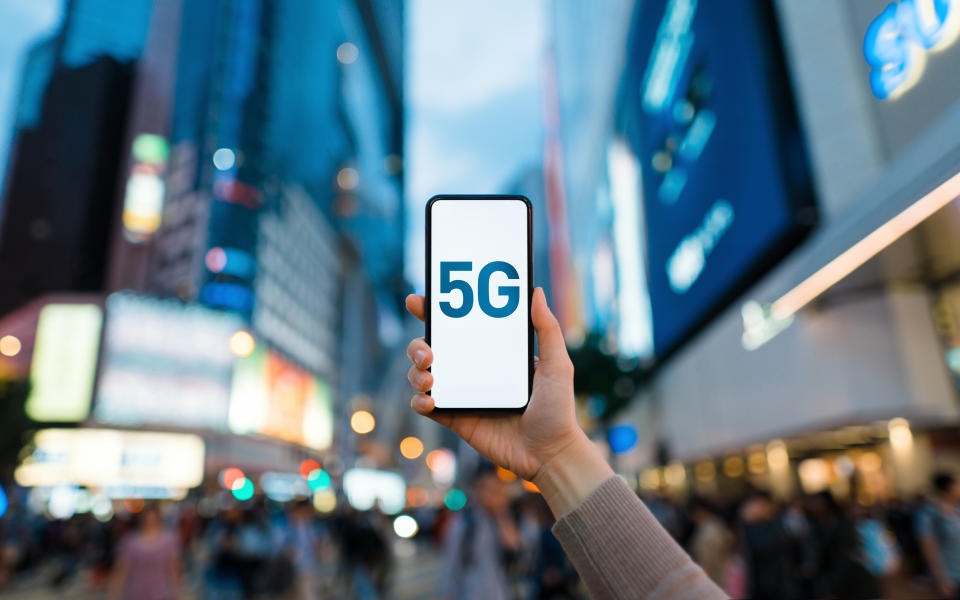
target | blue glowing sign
[
  {"x": 897, "y": 41},
  {"x": 705, "y": 109},
  {"x": 622, "y": 438}
]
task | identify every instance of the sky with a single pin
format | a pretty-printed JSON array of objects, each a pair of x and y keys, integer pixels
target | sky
[
  {"x": 21, "y": 24},
  {"x": 473, "y": 118}
]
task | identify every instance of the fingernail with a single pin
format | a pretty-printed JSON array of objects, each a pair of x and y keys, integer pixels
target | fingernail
[{"x": 419, "y": 356}]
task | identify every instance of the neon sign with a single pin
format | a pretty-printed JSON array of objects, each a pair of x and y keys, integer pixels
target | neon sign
[{"x": 898, "y": 40}]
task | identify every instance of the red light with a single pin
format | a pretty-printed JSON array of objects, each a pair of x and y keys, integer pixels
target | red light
[
  {"x": 308, "y": 466},
  {"x": 230, "y": 476}
]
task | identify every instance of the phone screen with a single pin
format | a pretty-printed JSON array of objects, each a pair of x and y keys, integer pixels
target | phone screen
[{"x": 478, "y": 296}]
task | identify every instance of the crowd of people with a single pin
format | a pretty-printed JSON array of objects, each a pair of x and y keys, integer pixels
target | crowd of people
[{"x": 498, "y": 546}]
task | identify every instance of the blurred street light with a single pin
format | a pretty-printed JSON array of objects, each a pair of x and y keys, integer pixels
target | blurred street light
[
  {"x": 348, "y": 178},
  {"x": 242, "y": 343},
  {"x": 405, "y": 526},
  {"x": 224, "y": 159},
  {"x": 455, "y": 499},
  {"x": 347, "y": 53},
  {"x": 229, "y": 476},
  {"x": 362, "y": 422},
  {"x": 10, "y": 345},
  {"x": 325, "y": 501},
  {"x": 411, "y": 447},
  {"x": 443, "y": 465},
  {"x": 242, "y": 489},
  {"x": 308, "y": 466}
]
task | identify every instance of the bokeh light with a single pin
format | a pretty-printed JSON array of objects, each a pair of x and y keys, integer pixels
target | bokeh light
[
  {"x": 102, "y": 508},
  {"x": 242, "y": 489},
  {"x": 133, "y": 505},
  {"x": 224, "y": 159},
  {"x": 405, "y": 526},
  {"x": 362, "y": 422},
  {"x": 417, "y": 496},
  {"x": 325, "y": 501},
  {"x": 229, "y": 476},
  {"x": 10, "y": 345},
  {"x": 347, "y": 53},
  {"x": 530, "y": 486},
  {"x": 411, "y": 447},
  {"x": 319, "y": 480},
  {"x": 443, "y": 465},
  {"x": 242, "y": 343},
  {"x": 215, "y": 259},
  {"x": 622, "y": 438},
  {"x": 308, "y": 466},
  {"x": 455, "y": 499},
  {"x": 4, "y": 503},
  {"x": 348, "y": 178}
]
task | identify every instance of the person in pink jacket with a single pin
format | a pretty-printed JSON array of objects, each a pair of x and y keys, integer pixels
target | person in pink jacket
[{"x": 615, "y": 543}]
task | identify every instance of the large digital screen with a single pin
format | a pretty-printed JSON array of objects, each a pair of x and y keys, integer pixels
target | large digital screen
[
  {"x": 64, "y": 362},
  {"x": 707, "y": 113},
  {"x": 165, "y": 363},
  {"x": 119, "y": 463},
  {"x": 272, "y": 396}
]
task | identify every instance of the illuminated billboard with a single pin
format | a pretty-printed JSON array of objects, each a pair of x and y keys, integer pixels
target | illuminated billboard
[
  {"x": 721, "y": 174},
  {"x": 165, "y": 362},
  {"x": 119, "y": 463},
  {"x": 272, "y": 396},
  {"x": 64, "y": 362}
]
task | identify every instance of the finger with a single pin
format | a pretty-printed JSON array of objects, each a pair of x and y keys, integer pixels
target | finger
[
  {"x": 421, "y": 380},
  {"x": 417, "y": 306},
  {"x": 423, "y": 405},
  {"x": 549, "y": 336},
  {"x": 420, "y": 353}
]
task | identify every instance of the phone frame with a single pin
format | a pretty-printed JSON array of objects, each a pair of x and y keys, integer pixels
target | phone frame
[{"x": 427, "y": 311}]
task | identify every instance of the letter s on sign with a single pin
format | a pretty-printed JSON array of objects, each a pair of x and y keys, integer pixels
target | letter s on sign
[{"x": 896, "y": 42}]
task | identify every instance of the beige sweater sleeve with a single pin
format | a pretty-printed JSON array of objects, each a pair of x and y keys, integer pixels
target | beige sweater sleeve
[{"x": 621, "y": 551}]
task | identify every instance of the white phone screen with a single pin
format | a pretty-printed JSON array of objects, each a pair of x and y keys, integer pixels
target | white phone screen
[{"x": 479, "y": 313}]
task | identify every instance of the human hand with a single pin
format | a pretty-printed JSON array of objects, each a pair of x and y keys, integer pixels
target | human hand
[
  {"x": 544, "y": 444},
  {"x": 519, "y": 442}
]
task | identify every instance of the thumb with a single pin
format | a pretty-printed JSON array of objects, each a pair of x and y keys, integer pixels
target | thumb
[{"x": 549, "y": 336}]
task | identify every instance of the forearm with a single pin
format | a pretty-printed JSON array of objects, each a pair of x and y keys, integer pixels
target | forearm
[
  {"x": 615, "y": 543},
  {"x": 568, "y": 478}
]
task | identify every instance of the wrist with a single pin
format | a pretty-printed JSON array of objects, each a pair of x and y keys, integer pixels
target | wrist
[{"x": 567, "y": 478}]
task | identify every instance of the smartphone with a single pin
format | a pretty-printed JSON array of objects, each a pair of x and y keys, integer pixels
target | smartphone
[{"x": 479, "y": 286}]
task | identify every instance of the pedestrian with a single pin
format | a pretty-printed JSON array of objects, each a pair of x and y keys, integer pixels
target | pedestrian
[
  {"x": 711, "y": 541},
  {"x": 767, "y": 549},
  {"x": 938, "y": 530},
  {"x": 843, "y": 571},
  {"x": 614, "y": 542},
  {"x": 481, "y": 542},
  {"x": 148, "y": 562}
]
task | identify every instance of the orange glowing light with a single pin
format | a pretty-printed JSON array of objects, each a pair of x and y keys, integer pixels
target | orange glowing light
[
  {"x": 530, "y": 487},
  {"x": 411, "y": 447},
  {"x": 228, "y": 477},
  {"x": 417, "y": 496},
  {"x": 133, "y": 505},
  {"x": 308, "y": 466},
  {"x": 242, "y": 343},
  {"x": 506, "y": 474},
  {"x": 362, "y": 421},
  {"x": 10, "y": 345}
]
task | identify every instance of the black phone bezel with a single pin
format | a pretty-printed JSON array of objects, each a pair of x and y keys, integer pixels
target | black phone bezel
[{"x": 427, "y": 316}]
